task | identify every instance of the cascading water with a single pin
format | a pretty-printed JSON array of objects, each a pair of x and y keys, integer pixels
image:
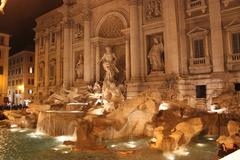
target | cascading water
[{"x": 58, "y": 123}]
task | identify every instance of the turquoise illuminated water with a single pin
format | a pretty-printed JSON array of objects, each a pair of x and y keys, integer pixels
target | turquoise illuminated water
[{"x": 18, "y": 144}]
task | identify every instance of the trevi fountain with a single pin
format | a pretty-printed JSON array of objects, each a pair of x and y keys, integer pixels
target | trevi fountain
[{"x": 100, "y": 123}]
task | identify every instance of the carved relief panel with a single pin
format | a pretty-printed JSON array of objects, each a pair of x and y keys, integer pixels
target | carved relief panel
[{"x": 153, "y": 10}]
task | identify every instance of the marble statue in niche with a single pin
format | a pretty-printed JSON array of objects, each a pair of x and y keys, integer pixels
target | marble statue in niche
[
  {"x": 153, "y": 9},
  {"x": 156, "y": 55},
  {"x": 41, "y": 74},
  {"x": 109, "y": 64},
  {"x": 79, "y": 67}
]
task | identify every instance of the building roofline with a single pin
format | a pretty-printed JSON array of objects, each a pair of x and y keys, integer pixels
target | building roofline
[
  {"x": 5, "y": 34},
  {"x": 48, "y": 13}
]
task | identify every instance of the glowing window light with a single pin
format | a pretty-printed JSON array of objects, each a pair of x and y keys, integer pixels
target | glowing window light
[{"x": 2, "y": 5}]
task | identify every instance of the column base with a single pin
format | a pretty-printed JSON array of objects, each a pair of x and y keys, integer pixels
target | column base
[{"x": 156, "y": 76}]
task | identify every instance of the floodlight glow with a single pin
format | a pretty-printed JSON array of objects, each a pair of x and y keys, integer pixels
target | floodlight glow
[
  {"x": 13, "y": 126},
  {"x": 164, "y": 106},
  {"x": 201, "y": 144},
  {"x": 182, "y": 152}
]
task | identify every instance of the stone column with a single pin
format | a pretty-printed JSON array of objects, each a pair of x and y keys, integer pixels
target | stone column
[
  {"x": 46, "y": 37},
  {"x": 127, "y": 57},
  {"x": 171, "y": 47},
  {"x": 66, "y": 52},
  {"x": 36, "y": 63},
  {"x": 135, "y": 42},
  {"x": 216, "y": 36},
  {"x": 58, "y": 57},
  {"x": 93, "y": 63},
  {"x": 87, "y": 43},
  {"x": 97, "y": 62},
  {"x": 183, "y": 39}
]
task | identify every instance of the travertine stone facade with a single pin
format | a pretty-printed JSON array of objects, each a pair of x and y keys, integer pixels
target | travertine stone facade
[
  {"x": 4, "y": 53},
  {"x": 21, "y": 76},
  {"x": 197, "y": 40}
]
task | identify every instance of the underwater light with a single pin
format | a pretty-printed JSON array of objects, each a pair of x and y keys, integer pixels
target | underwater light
[
  {"x": 182, "y": 152},
  {"x": 55, "y": 149},
  {"x": 23, "y": 130},
  {"x": 131, "y": 144},
  {"x": 15, "y": 129},
  {"x": 154, "y": 140},
  {"x": 14, "y": 126},
  {"x": 113, "y": 145},
  {"x": 201, "y": 145},
  {"x": 66, "y": 152},
  {"x": 169, "y": 156},
  {"x": 36, "y": 135},
  {"x": 211, "y": 139},
  {"x": 64, "y": 138}
]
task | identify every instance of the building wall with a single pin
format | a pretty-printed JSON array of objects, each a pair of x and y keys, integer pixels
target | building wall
[
  {"x": 197, "y": 38},
  {"x": 21, "y": 76},
  {"x": 4, "y": 52}
]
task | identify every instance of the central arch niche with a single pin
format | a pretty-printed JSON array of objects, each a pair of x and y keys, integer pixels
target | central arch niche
[{"x": 109, "y": 31}]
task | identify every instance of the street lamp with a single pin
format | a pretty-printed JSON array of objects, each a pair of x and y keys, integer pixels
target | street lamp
[{"x": 2, "y": 5}]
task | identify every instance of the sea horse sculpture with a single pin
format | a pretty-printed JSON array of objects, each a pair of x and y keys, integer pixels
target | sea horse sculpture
[{"x": 2, "y": 5}]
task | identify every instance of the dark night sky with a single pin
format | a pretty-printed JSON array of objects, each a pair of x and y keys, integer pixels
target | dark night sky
[{"x": 19, "y": 20}]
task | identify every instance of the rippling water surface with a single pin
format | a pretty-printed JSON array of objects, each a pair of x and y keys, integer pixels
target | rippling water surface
[{"x": 19, "y": 144}]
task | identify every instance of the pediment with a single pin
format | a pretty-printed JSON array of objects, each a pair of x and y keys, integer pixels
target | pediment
[
  {"x": 233, "y": 25},
  {"x": 197, "y": 30}
]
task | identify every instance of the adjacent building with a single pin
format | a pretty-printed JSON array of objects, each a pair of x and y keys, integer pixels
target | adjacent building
[
  {"x": 4, "y": 53},
  {"x": 21, "y": 76},
  {"x": 198, "y": 40}
]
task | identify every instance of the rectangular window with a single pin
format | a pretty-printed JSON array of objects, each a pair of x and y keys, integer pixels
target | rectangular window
[
  {"x": 236, "y": 43},
  {"x": 1, "y": 70},
  {"x": 30, "y": 91},
  {"x": 52, "y": 72},
  {"x": 1, "y": 40},
  {"x": 198, "y": 48},
  {"x": 41, "y": 42},
  {"x": 31, "y": 59},
  {"x": 0, "y": 54},
  {"x": 30, "y": 70},
  {"x": 53, "y": 38},
  {"x": 201, "y": 91},
  {"x": 237, "y": 86}
]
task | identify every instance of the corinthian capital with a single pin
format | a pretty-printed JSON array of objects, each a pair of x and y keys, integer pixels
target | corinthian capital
[
  {"x": 68, "y": 23},
  {"x": 86, "y": 10},
  {"x": 134, "y": 2}
]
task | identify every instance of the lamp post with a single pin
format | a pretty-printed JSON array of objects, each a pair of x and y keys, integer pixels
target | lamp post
[{"x": 2, "y": 5}]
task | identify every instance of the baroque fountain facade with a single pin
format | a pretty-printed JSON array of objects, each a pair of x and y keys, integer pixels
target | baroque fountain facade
[{"x": 113, "y": 69}]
